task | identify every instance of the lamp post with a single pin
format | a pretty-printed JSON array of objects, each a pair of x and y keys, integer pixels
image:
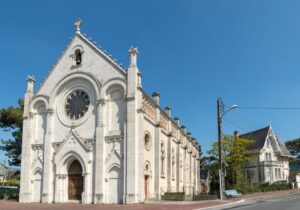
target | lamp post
[{"x": 221, "y": 113}]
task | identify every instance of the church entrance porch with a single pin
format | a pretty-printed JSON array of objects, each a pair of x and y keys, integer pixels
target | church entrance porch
[{"x": 75, "y": 181}]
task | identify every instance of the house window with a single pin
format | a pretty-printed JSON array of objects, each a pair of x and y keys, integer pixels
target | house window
[
  {"x": 249, "y": 175},
  {"x": 268, "y": 156}
]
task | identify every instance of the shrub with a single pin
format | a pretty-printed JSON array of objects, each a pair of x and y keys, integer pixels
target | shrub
[
  {"x": 13, "y": 182},
  {"x": 248, "y": 188},
  {"x": 9, "y": 193}
]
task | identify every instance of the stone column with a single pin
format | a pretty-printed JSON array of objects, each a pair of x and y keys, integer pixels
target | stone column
[
  {"x": 141, "y": 158},
  {"x": 86, "y": 195},
  {"x": 177, "y": 165},
  {"x": 169, "y": 162},
  {"x": 157, "y": 158},
  {"x": 194, "y": 174},
  {"x": 133, "y": 147},
  {"x": 60, "y": 188},
  {"x": 184, "y": 169},
  {"x": 197, "y": 174},
  {"x": 47, "y": 196},
  {"x": 99, "y": 154},
  {"x": 25, "y": 182},
  {"x": 190, "y": 171}
]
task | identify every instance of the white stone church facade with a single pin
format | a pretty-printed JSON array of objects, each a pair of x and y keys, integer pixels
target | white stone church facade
[{"x": 91, "y": 134}]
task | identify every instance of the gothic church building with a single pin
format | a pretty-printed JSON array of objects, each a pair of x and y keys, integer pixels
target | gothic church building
[{"x": 92, "y": 135}]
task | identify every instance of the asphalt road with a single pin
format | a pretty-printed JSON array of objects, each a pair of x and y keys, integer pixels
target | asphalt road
[{"x": 286, "y": 202}]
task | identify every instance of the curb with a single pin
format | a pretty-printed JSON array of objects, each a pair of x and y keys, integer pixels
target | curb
[{"x": 222, "y": 205}]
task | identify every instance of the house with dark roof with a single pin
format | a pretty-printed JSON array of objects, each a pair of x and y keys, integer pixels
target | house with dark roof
[{"x": 269, "y": 157}]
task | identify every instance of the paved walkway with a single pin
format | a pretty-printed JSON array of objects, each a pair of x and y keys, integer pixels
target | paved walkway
[
  {"x": 150, "y": 205},
  {"x": 13, "y": 205}
]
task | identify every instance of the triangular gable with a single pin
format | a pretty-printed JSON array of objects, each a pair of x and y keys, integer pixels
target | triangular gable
[
  {"x": 71, "y": 138},
  {"x": 63, "y": 60},
  {"x": 272, "y": 139},
  {"x": 277, "y": 145}
]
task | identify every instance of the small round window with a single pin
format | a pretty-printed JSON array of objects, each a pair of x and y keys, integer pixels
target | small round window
[
  {"x": 147, "y": 141},
  {"x": 77, "y": 104}
]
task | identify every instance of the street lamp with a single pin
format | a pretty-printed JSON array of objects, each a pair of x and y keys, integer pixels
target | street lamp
[{"x": 221, "y": 113}]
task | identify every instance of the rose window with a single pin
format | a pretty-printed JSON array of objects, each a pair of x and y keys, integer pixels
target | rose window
[{"x": 77, "y": 104}]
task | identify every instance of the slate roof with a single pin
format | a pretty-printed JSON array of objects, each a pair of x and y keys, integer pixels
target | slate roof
[
  {"x": 284, "y": 150},
  {"x": 259, "y": 136}
]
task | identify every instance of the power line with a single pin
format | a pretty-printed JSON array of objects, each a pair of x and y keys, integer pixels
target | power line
[
  {"x": 272, "y": 108},
  {"x": 234, "y": 124}
]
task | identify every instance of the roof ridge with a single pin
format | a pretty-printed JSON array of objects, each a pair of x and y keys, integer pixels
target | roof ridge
[
  {"x": 105, "y": 52},
  {"x": 268, "y": 127}
]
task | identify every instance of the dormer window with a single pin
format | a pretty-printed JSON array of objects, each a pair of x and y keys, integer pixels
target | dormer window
[{"x": 78, "y": 57}]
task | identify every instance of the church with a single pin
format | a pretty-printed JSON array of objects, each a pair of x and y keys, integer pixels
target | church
[{"x": 91, "y": 134}]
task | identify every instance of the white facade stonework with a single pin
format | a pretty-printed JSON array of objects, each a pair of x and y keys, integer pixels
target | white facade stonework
[{"x": 91, "y": 133}]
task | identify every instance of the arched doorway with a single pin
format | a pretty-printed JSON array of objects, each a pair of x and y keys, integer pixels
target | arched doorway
[{"x": 75, "y": 181}]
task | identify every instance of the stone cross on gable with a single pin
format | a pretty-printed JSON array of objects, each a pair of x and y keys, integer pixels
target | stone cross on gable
[{"x": 78, "y": 24}]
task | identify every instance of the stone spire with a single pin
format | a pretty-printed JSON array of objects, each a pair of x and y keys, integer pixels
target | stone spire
[
  {"x": 30, "y": 83},
  {"x": 133, "y": 52},
  {"x": 78, "y": 24}
]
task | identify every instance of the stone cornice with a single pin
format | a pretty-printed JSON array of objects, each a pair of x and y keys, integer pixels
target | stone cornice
[{"x": 158, "y": 124}]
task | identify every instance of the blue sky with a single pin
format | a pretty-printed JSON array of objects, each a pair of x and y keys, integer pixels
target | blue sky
[{"x": 192, "y": 51}]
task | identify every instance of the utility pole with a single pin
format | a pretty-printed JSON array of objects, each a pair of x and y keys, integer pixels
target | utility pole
[
  {"x": 219, "y": 120},
  {"x": 221, "y": 113}
]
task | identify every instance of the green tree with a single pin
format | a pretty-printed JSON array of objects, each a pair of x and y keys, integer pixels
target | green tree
[
  {"x": 11, "y": 120},
  {"x": 293, "y": 144},
  {"x": 235, "y": 154},
  {"x": 200, "y": 151}
]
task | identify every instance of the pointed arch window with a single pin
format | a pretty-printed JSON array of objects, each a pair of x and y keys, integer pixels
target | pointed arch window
[{"x": 78, "y": 57}]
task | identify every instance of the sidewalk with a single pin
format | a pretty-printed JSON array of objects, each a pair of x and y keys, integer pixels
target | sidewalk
[
  {"x": 149, "y": 205},
  {"x": 269, "y": 194},
  {"x": 254, "y": 196},
  {"x": 214, "y": 203}
]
